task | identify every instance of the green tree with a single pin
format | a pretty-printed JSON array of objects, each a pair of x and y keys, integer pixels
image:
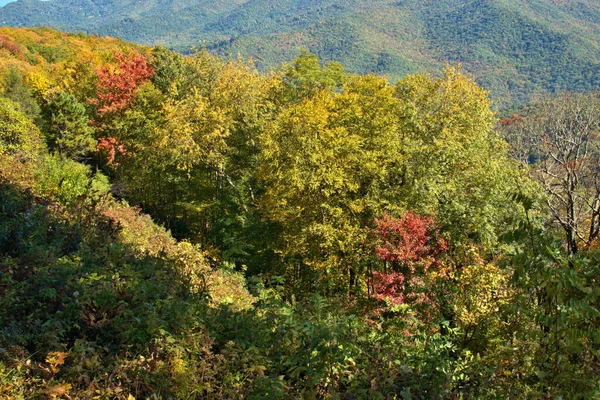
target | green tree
[
  {"x": 68, "y": 131},
  {"x": 334, "y": 162},
  {"x": 459, "y": 169},
  {"x": 191, "y": 147},
  {"x": 17, "y": 132},
  {"x": 17, "y": 90},
  {"x": 304, "y": 77}
]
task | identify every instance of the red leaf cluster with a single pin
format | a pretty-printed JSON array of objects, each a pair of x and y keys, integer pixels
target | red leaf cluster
[
  {"x": 111, "y": 147},
  {"x": 409, "y": 241},
  {"x": 412, "y": 244},
  {"x": 513, "y": 119},
  {"x": 388, "y": 287},
  {"x": 12, "y": 47},
  {"x": 116, "y": 87}
]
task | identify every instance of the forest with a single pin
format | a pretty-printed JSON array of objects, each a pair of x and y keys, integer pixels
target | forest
[{"x": 186, "y": 227}]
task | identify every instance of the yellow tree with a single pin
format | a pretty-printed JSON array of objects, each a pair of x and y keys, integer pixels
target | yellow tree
[
  {"x": 192, "y": 143},
  {"x": 326, "y": 163}
]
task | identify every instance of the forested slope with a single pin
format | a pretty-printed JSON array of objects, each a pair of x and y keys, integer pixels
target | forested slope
[
  {"x": 187, "y": 227},
  {"x": 514, "y": 48}
]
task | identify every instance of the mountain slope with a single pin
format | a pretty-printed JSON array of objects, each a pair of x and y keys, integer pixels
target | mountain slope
[{"x": 515, "y": 48}]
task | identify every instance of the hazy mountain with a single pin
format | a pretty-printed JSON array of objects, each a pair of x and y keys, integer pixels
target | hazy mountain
[{"x": 513, "y": 47}]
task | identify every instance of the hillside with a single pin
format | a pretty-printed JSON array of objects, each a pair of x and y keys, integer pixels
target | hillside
[
  {"x": 188, "y": 228},
  {"x": 514, "y": 48}
]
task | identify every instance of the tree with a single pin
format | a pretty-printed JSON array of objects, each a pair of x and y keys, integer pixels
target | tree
[
  {"x": 562, "y": 136},
  {"x": 457, "y": 168},
  {"x": 17, "y": 132},
  {"x": 191, "y": 142},
  {"x": 67, "y": 129},
  {"x": 304, "y": 77},
  {"x": 117, "y": 84},
  {"x": 329, "y": 164},
  {"x": 411, "y": 244},
  {"x": 16, "y": 89}
]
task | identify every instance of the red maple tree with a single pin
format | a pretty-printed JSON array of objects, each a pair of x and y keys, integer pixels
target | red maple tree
[
  {"x": 388, "y": 286},
  {"x": 115, "y": 90},
  {"x": 412, "y": 244},
  {"x": 116, "y": 86}
]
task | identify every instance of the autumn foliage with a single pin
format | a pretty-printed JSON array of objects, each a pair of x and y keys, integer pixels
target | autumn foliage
[
  {"x": 11, "y": 47},
  {"x": 409, "y": 242},
  {"x": 281, "y": 283},
  {"x": 116, "y": 87},
  {"x": 412, "y": 245},
  {"x": 110, "y": 146},
  {"x": 513, "y": 119},
  {"x": 389, "y": 287}
]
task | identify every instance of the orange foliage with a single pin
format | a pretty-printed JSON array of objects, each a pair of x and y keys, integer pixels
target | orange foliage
[
  {"x": 116, "y": 88},
  {"x": 110, "y": 146},
  {"x": 11, "y": 47},
  {"x": 513, "y": 119}
]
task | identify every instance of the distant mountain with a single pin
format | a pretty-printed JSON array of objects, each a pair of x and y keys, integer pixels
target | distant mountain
[{"x": 516, "y": 48}]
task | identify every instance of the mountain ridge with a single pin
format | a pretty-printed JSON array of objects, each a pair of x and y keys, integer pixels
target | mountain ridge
[{"x": 514, "y": 48}]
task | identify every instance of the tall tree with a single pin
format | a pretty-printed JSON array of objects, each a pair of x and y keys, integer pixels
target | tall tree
[
  {"x": 15, "y": 88},
  {"x": 305, "y": 77},
  {"x": 118, "y": 84},
  {"x": 329, "y": 165},
  {"x": 458, "y": 168}
]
